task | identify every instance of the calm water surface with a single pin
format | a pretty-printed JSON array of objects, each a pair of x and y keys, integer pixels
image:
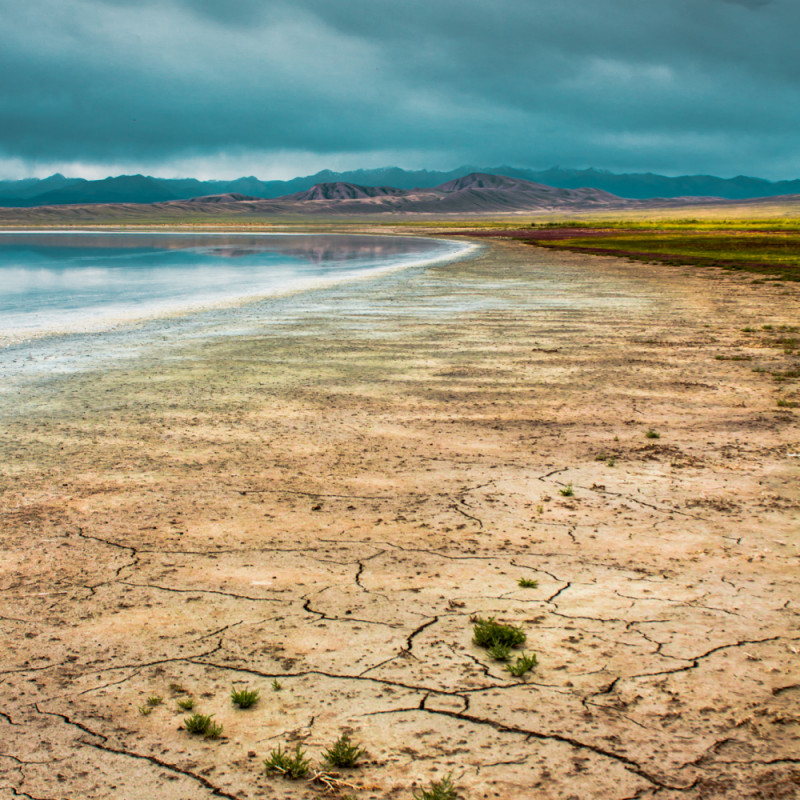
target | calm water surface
[
  {"x": 75, "y": 282},
  {"x": 69, "y": 301}
]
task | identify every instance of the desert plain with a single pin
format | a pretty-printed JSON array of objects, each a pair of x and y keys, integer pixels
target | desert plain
[{"x": 319, "y": 510}]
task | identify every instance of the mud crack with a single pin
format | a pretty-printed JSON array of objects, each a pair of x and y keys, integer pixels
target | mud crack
[{"x": 105, "y": 747}]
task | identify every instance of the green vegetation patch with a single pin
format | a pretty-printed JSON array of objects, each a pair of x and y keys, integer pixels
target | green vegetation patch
[
  {"x": 343, "y": 753},
  {"x": 443, "y": 789},
  {"x": 290, "y": 766},
  {"x": 244, "y": 698},
  {"x": 489, "y": 633},
  {"x": 203, "y": 724},
  {"x": 524, "y": 663},
  {"x": 767, "y": 252}
]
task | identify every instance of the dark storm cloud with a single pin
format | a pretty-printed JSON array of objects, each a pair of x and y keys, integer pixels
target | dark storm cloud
[
  {"x": 675, "y": 85},
  {"x": 750, "y": 3}
]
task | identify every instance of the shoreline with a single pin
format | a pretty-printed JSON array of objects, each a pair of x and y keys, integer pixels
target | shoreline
[
  {"x": 136, "y": 326},
  {"x": 327, "y": 503}
]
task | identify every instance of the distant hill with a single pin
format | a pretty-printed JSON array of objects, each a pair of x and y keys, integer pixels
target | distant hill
[
  {"x": 227, "y": 197},
  {"x": 65, "y": 191},
  {"x": 59, "y": 190},
  {"x": 479, "y": 194},
  {"x": 483, "y": 180},
  {"x": 340, "y": 190}
]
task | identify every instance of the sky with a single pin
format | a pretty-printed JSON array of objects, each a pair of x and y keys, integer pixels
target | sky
[{"x": 281, "y": 88}]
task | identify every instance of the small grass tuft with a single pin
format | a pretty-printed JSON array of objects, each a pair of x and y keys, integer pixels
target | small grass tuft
[
  {"x": 524, "y": 663},
  {"x": 499, "y": 652},
  {"x": 528, "y": 583},
  {"x": 443, "y": 789},
  {"x": 154, "y": 700},
  {"x": 276, "y": 685},
  {"x": 214, "y": 730},
  {"x": 244, "y": 698},
  {"x": 783, "y": 403},
  {"x": 145, "y": 710},
  {"x": 343, "y": 753},
  {"x": 290, "y": 766},
  {"x": 488, "y": 633},
  {"x": 186, "y": 703},
  {"x": 198, "y": 724},
  {"x": 651, "y": 434},
  {"x": 567, "y": 491}
]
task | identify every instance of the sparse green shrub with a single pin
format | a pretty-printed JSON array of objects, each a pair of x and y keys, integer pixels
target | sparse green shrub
[
  {"x": 488, "y": 633},
  {"x": 567, "y": 491},
  {"x": 149, "y": 704},
  {"x": 186, "y": 703},
  {"x": 651, "y": 434},
  {"x": 528, "y": 583},
  {"x": 291, "y": 767},
  {"x": 199, "y": 724},
  {"x": 443, "y": 789},
  {"x": 244, "y": 698},
  {"x": 276, "y": 685},
  {"x": 214, "y": 730},
  {"x": 343, "y": 753},
  {"x": 786, "y": 375},
  {"x": 500, "y": 652},
  {"x": 523, "y": 664}
]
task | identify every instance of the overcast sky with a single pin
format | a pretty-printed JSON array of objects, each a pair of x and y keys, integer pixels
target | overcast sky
[{"x": 279, "y": 88}]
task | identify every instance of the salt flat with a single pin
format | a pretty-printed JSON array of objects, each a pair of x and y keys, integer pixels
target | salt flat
[{"x": 329, "y": 501}]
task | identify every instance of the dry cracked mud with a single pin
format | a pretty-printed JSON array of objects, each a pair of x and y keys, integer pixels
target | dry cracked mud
[{"x": 328, "y": 501}]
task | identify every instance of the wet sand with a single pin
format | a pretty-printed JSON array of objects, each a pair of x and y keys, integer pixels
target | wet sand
[{"x": 327, "y": 501}]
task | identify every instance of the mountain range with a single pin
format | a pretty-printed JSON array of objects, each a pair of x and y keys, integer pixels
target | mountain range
[
  {"x": 59, "y": 190},
  {"x": 474, "y": 194}
]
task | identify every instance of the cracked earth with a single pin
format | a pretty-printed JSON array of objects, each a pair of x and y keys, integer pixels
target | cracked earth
[{"x": 326, "y": 502}]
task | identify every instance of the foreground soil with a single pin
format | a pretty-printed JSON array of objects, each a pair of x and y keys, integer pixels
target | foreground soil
[{"x": 318, "y": 510}]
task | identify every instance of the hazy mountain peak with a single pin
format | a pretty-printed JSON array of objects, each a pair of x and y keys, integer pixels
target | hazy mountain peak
[
  {"x": 341, "y": 190},
  {"x": 484, "y": 180}
]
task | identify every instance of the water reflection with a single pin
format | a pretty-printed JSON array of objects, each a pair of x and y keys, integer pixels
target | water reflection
[
  {"x": 76, "y": 281},
  {"x": 316, "y": 248}
]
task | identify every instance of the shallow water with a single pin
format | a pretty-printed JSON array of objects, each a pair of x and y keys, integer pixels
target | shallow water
[
  {"x": 70, "y": 300},
  {"x": 57, "y": 282}
]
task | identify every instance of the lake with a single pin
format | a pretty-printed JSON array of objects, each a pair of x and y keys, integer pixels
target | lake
[{"x": 57, "y": 288}]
